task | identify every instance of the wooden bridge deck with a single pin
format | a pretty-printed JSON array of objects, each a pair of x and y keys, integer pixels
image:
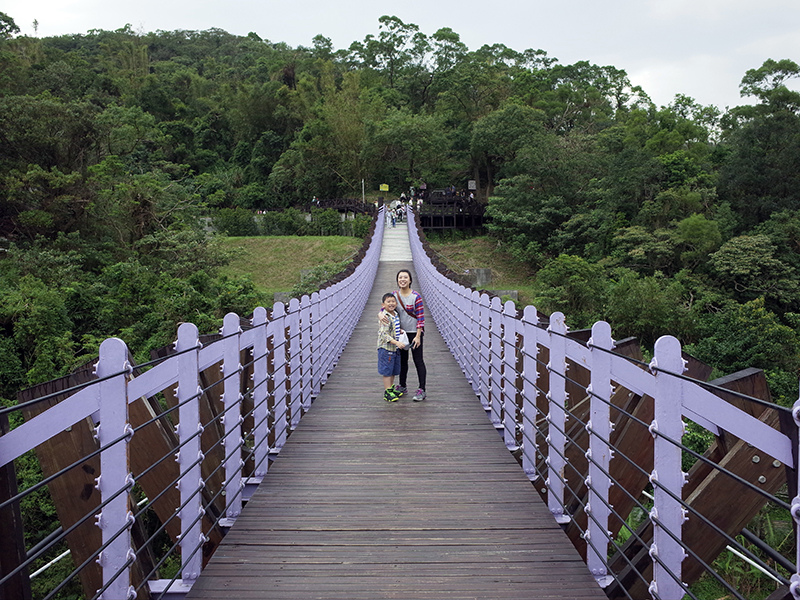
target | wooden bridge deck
[{"x": 407, "y": 500}]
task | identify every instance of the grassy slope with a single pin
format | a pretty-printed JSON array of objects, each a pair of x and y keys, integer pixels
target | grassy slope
[
  {"x": 274, "y": 262},
  {"x": 484, "y": 253}
]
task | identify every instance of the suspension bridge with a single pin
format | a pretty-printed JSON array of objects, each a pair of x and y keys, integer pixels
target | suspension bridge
[{"x": 244, "y": 465}]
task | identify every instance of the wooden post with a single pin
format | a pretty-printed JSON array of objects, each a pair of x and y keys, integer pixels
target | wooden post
[
  {"x": 277, "y": 328},
  {"x": 190, "y": 455},
  {"x": 113, "y": 435},
  {"x": 295, "y": 371},
  {"x": 484, "y": 351}
]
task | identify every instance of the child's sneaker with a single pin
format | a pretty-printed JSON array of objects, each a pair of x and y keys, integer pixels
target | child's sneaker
[
  {"x": 390, "y": 395},
  {"x": 419, "y": 396},
  {"x": 400, "y": 390}
]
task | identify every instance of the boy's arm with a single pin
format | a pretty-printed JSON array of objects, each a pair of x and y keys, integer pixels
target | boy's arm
[{"x": 384, "y": 334}]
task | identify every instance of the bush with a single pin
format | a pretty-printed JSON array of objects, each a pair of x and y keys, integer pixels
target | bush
[
  {"x": 235, "y": 222},
  {"x": 325, "y": 222},
  {"x": 288, "y": 222},
  {"x": 314, "y": 279},
  {"x": 573, "y": 286}
]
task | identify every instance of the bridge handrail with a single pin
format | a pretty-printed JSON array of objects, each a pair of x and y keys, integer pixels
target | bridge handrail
[
  {"x": 501, "y": 354},
  {"x": 294, "y": 349}
]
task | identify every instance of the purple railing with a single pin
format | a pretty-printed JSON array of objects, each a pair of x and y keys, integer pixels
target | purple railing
[
  {"x": 563, "y": 406},
  {"x": 292, "y": 350}
]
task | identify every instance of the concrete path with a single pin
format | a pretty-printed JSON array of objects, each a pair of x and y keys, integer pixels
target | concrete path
[{"x": 395, "y": 246}]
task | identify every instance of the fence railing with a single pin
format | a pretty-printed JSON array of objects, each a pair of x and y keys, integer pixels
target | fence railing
[
  {"x": 147, "y": 465},
  {"x": 601, "y": 434}
]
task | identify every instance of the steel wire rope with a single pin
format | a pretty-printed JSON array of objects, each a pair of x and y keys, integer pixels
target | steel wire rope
[
  {"x": 693, "y": 510},
  {"x": 173, "y": 450},
  {"x": 253, "y": 361},
  {"x": 705, "y": 566},
  {"x": 179, "y": 446},
  {"x": 733, "y": 476},
  {"x": 703, "y": 384},
  {"x": 173, "y": 353},
  {"x": 644, "y": 424},
  {"x": 251, "y": 434},
  {"x": 768, "y": 550},
  {"x": 720, "y": 532},
  {"x": 58, "y": 538},
  {"x": 644, "y": 508},
  {"x": 30, "y": 490},
  {"x": 177, "y": 510},
  {"x": 59, "y": 473},
  {"x": 192, "y": 524},
  {"x": 70, "y": 391},
  {"x": 97, "y": 552},
  {"x": 684, "y": 448},
  {"x": 572, "y": 519}
]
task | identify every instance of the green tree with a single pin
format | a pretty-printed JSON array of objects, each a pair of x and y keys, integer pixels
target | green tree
[
  {"x": 747, "y": 267},
  {"x": 647, "y": 307},
  {"x": 498, "y": 137},
  {"x": 747, "y": 335},
  {"x": 574, "y": 286},
  {"x": 408, "y": 147},
  {"x": 8, "y": 28},
  {"x": 700, "y": 237}
]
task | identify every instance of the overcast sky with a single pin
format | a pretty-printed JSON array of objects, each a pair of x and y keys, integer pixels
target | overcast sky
[{"x": 699, "y": 48}]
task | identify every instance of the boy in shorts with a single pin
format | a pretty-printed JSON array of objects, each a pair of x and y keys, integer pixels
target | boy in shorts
[{"x": 388, "y": 358}]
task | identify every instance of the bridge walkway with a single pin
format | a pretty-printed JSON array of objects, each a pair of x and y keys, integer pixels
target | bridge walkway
[{"x": 406, "y": 500}]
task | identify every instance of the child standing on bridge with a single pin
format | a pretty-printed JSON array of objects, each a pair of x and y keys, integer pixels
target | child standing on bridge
[{"x": 389, "y": 342}]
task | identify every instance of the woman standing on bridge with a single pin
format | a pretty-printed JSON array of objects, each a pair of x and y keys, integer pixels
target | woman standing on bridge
[{"x": 412, "y": 320}]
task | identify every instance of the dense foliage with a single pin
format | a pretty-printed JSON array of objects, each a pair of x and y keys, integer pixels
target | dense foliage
[{"x": 118, "y": 149}]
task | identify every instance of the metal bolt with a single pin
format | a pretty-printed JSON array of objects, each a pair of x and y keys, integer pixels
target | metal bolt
[
  {"x": 776, "y": 463},
  {"x": 756, "y": 459},
  {"x": 762, "y": 479}
]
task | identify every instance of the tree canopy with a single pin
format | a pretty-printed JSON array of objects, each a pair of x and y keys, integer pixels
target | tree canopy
[{"x": 118, "y": 148}]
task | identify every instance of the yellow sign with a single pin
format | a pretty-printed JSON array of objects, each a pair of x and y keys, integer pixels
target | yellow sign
[{"x": 384, "y": 187}]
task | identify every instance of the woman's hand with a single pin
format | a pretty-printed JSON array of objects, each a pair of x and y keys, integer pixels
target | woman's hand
[{"x": 383, "y": 318}]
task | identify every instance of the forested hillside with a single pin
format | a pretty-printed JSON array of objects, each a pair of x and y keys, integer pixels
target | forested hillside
[{"x": 117, "y": 146}]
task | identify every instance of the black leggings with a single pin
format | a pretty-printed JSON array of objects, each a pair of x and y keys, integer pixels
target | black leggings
[{"x": 419, "y": 363}]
